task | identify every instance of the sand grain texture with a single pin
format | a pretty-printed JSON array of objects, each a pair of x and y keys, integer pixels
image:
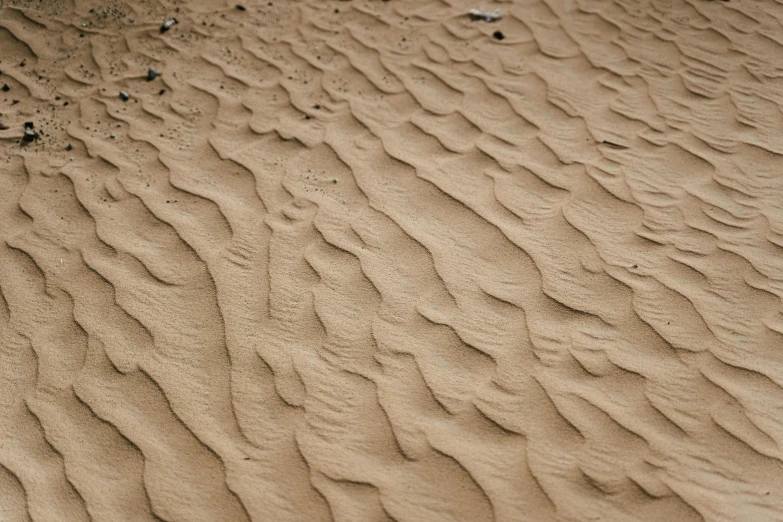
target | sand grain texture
[{"x": 362, "y": 261}]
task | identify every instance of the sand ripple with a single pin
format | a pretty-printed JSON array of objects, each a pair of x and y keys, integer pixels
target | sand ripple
[{"x": 363, "y": 261}]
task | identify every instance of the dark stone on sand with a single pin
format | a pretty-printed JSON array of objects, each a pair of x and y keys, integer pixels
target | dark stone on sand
[
  {"x": 161, "y": 92},
  {"x": 168, "y": 24},
  {"x": 151, "y": 74},
  {"x": 124, "y": 96},
  {"x": 14, "y": 101},
  {"x": 240, "y": 7},
  {"x": 6, "y": 87},
  {"x": 29, "y": 131},
  {"x": 69, "y": 147},
  {"x": 497, "y": 35}
]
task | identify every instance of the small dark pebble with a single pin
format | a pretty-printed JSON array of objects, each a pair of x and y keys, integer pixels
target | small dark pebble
[
  {"x": 65, "y": 103},
  {"x": 57, "y": 98},
  {"x": 14, "y": 102},
  {"x": 162, "y": 92},
  {"x": 3, "y": 126},
  {"x": 151, "y": 74},
  {"x": 6, "y": 87},
  {"x": 317, "y": 105},
  {"x": 69, "y": 147},
  {"x": 124, "y": 96},
  {"x": 497, "y": 35},
  {"x": 168, "y": 24},
  {"x": 1, "y": 72},
  {"x": 240, "y": 7},
  {"x": 29, "y": 132},
  {"x": 307, "y": 116}
]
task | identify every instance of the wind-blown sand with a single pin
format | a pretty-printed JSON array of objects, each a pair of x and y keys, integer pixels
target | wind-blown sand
[{"x": 364, "y": 261}]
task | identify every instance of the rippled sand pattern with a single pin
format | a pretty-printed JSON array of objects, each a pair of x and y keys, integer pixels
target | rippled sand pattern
[{"x": 364, "y": 261}]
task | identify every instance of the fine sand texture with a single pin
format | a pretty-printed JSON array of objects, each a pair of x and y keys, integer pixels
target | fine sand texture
[{"x": 369, "y": 261}]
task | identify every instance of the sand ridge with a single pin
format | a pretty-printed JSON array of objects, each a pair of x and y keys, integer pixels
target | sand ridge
[{"x": 363, "y": 260}]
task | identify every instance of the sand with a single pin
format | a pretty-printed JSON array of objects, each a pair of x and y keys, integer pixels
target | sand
[{"x": 366, "y": 260}]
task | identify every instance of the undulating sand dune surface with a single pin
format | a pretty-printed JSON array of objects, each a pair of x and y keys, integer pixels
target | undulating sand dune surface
[{"x": 366, "y": 260}]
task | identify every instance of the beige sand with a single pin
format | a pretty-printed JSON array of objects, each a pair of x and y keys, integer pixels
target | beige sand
[{"x": 364, "y": 261}]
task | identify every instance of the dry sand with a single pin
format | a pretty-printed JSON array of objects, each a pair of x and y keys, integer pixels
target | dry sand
[{"x": 364, "y": 261}]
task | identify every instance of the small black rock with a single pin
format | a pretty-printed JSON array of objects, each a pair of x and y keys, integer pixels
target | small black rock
[
  {"x": 14, "y": 102},
  {"x": 162, "y": 92},
  {"x": 151, "y": 74},
  {"x": 6, "y": 87},
  {"x": 317, "y": 106},
  {"x": 69, "y": 147},
  {"x": 29, "y": 132},
  {"x": 168, "y": 24},
  {"x": 240, "y": 7},
  {"x": 124, "y": 96},
  {"x": 497, "y": 35}
]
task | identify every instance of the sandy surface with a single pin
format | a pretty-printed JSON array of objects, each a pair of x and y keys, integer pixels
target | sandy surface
[{"x": 362, "y": 261}]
